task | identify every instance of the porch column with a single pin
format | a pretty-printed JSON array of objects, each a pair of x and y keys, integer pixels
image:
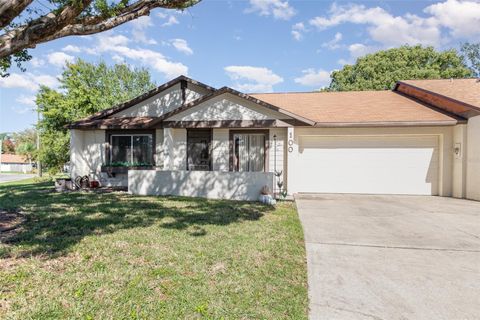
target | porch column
[
  {"x": 168, "y": 149},
  {"x": 292, "y": 150},
  {"x": 459, "y": 176},
  {"x": 175, "y": 142}
]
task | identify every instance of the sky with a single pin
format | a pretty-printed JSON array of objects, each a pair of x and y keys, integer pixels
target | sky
[{"x": 251, "y": 45}]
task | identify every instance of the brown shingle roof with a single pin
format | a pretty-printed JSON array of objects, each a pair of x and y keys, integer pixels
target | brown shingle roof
[
  {"x": 362, "y": 107},
  {"x": 463, "y": 90},
  {"x": 13, "y": 158}
]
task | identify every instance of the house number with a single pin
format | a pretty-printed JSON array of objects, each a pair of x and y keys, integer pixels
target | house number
[{"x": 290, "y": 149}]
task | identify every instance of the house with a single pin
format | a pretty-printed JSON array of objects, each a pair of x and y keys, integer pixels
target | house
[
  {"x": 14, "y": 163},
  {"x": 187, "y": 138}
]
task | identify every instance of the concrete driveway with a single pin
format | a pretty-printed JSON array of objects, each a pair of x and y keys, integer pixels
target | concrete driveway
[
  {"x": 8, "y": 177},
  {"x": 392, "y": 257}
]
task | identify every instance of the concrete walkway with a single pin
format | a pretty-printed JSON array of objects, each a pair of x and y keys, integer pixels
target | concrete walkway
[
  {"x": 392, "y": 257},
  {"x": 9, "y": 177}
]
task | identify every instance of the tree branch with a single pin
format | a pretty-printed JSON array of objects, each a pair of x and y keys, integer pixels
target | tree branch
[
  {"x": 68, "y": 23},
  {"x": 10, "y": 9},
  {"x": 29, "y": 35}
]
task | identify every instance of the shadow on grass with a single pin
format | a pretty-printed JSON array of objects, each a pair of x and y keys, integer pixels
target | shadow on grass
[{"x": 57, "y": 221}]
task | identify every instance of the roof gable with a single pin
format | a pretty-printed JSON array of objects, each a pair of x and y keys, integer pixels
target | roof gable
[
  {"x": 229, "y": 104},
  {"x": 179, "y": 83},
  {"x": 227, "y": 107}
]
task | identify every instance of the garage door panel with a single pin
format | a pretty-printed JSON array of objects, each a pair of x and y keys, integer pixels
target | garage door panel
[{"x": 378, "y": 165}]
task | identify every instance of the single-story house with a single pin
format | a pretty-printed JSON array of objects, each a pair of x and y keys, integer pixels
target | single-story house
[
  {"x": 187, "y": 138},
  {"x": 14, "y": 163}
]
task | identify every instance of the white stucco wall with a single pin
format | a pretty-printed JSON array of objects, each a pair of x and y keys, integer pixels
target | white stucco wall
[
  {"x": 445, "y": 138},
  {"x": 459, "y": 170},
  {"x": 227, "y": 107},
  {"x": 163, "y": 102},
  {"x": 473, "y": 158},
  {"x": 220, "y": 150},
  {"x": 208, "y": 184},
  {"x": 159, "y": 148},
  {"x": 175, "y": 148},
  {"x": 87, "y": 154}
]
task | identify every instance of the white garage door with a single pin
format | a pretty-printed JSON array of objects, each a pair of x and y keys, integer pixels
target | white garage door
[{"x": 372, "y": 165}]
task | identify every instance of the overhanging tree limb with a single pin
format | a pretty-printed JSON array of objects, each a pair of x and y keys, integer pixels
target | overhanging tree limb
[
  {"x": 10, "y": 9},
  {"x": 71, "y": 19}
]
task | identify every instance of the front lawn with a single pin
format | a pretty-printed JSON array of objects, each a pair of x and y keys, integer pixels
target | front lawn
[{"x": 116, "y": 256}]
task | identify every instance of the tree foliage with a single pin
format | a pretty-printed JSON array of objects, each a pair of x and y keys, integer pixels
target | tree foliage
[
  {"x": 471, "y": 54},
  {"x": 25, "y": 23},
  {"x": 85, "y": 89},
  {"x": 8, "y": 146},
  {"x": 26, "y": 143},
  {"x": 381, "y": 70}
]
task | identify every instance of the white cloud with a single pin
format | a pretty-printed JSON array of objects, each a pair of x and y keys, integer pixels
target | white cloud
[
  {"x": 462, "y": 18},
  {"x": 161, "y": 15},
  {"x": 383, "y": 27},
  {"x": 73, "y": 49},
  {"x": 169, "y": 17},
  {"x": 358, "y": 50},
  {"x": 297, "y": 31},
  {"x": 277, "y": 8},
  {"x": 37, "y": 62},
  {"x": 172, "y": 20},
  {"x": 314, "y": 78},
  {"x": 59, "y": 59},
  {"x": 138, "y": 31},
  {"x": 107, "y": 41},
  {"x": 250, "y": 79},
  {"x": 118, "y": 46},
  {"x": 28, "y": 81},
  {"x": 334, "y": 43},
  {"x": 26, "y": 100},
  {"x": 182, "y": 46},
  {"x": 118, "y": 59}
]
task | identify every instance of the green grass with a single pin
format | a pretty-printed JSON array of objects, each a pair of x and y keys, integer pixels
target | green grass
[{"x": 117, "y": 256}]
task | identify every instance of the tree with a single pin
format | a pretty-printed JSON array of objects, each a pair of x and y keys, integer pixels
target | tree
[
  {"x": 26, "y": 144},
  {"x": 8, "y": 146},
  {"x": 471, "y": 54},
  {"x": 85, "y": 89},
  {"x": 23, "y": 26},
  {"x": 381, "y": 70}
]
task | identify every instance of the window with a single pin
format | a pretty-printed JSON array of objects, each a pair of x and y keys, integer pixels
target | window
[
  {"x": 133, "y": 149},
  {"x": 198, "y": 149},
  {"x": 248, "y": 151}
]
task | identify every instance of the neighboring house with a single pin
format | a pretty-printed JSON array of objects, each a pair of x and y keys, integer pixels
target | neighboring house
[
  {"x": 186, "y": 138},
  {"x": 14, "y": 163}
]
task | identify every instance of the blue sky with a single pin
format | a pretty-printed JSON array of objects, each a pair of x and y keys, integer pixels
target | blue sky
[{"x": 252, "y": 46}]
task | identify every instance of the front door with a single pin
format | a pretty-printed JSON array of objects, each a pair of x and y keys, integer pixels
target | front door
[{"x": 198, "y": 149}]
